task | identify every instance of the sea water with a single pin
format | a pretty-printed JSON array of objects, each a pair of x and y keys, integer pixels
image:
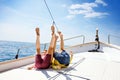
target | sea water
[{"x": 8, "y": 49}]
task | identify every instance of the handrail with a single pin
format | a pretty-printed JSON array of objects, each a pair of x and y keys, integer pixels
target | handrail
[
  {"x": 76, "y": 37},
  {"x": 109, "y": 36},
  {"x": 68, "y": 39},
  {"x": 16, "y": 56}
]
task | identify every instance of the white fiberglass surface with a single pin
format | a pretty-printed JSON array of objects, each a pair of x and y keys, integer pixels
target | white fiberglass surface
[
  {"x": 112, "y": 54},
  {"x": 85, "y": 66}
]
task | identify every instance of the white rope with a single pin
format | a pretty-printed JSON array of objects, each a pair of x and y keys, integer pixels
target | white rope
[{"x": 50, "y": 14}]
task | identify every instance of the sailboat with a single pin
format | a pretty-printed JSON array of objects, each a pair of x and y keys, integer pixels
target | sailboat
[{"x": 91, "y": 61}]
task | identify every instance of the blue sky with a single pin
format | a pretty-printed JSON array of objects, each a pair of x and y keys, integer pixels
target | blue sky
[{"x": 18, "y": 19}]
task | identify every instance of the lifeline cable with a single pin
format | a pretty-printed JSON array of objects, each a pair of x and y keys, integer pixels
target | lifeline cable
[
  {"x": 69, "y": 69},
  {"x": 50, "y": 14}
]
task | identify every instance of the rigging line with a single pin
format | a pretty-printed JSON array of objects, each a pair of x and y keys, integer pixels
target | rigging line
[
  {"x": 68, "y": 70},
  {"x": 51, "y": 14}
]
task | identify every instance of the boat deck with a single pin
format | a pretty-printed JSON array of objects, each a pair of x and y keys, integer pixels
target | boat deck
[{"x": 85, "y": 66}]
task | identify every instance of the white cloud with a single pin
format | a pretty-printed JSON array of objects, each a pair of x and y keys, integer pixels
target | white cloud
[
  {"x": 87, "y": 10},
  {"x": 101, "y": 2},
  {"x": 82, "y": 11},
  {"x": 83, "y": 6},
  {"x": 96, "y": 14}
]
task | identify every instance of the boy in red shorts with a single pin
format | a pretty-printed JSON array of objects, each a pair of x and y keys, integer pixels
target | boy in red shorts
[{"x": 43, "y": 61}]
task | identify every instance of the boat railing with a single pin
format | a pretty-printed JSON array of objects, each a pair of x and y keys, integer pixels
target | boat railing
[
  {"x": 109, "y": 38},
  {"x": 45, "y": 44},
  {"x": 79, "y": 36}
]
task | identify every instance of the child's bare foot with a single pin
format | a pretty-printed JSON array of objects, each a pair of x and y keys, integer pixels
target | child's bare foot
[
  {"x": 60, "y": 34},
  {"x": 37, "y": 31},
  {"x": 30, "y": 68}
]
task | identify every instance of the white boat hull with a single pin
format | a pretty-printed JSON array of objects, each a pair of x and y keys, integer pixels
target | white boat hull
[{"x": 103, "y": 65}]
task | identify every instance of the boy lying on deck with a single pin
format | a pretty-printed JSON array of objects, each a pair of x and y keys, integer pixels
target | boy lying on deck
[
  {"x": 43, "y": 60},
  {"x": 60, "y": 59}
]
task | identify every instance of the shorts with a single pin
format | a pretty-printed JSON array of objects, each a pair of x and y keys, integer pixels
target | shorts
[
  {"x": 62, "y": 58},
  {"x": 42, "y": 63}
]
